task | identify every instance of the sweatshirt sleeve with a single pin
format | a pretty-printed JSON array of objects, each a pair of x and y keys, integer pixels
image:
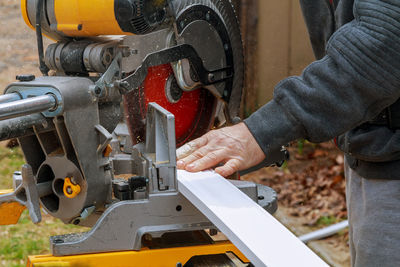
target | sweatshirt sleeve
[{"x": 352, "y": 84}]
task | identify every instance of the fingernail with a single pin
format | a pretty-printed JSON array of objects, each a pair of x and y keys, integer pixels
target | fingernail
[
  {"x": 180, "y": 164},
  {"x": 191, "y": 166}
]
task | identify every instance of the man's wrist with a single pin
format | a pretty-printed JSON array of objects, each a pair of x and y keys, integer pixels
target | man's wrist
[{"x": 272, "y": 127}]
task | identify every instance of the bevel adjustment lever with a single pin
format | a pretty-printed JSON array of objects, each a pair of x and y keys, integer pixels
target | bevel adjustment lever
[{"x": 26, "y": 194}]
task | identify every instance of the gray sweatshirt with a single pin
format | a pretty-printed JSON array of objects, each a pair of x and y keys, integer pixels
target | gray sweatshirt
[{"x": 356, "y": 77}]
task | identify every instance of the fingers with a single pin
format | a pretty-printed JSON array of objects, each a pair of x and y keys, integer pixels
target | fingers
[
  {"x": 229, "y": 168},
  {"x": 196, "y": 155},
  {"x": 190, "y": 147},
  {"x": 184, "y": 151},
  {"x": 209, "y": 160},
  {"x": 187, "y": 153},
  {"x": 234, "y": 145}
]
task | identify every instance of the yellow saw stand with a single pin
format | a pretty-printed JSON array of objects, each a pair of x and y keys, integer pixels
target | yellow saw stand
[
  {"x": 217, "y": 253},
  {"x": 146, "y": 257}
]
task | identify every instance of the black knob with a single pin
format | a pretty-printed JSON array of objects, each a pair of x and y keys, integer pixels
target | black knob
[
  {"x": 136, "y": 182},
  {"x": 125, "y": 10},
  {"x": 25, "y": 77}
]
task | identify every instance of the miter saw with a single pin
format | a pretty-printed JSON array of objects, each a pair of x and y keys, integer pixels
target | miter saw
[{"x": 124, "y": 84}]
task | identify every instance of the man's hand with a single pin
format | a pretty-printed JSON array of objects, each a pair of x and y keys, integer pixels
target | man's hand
[{"x": 234, "y": 146}]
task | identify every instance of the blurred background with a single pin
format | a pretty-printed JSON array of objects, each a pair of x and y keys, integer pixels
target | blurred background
[{"x": 276, "y": 46}]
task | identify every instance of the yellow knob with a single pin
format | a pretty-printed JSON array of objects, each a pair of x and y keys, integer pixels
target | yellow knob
[
  {"x": 70, "y": 189},
  {"x": 107, "y": 151}
]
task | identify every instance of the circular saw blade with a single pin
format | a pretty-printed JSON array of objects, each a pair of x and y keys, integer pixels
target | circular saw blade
[{"x": 194, "y": 111}]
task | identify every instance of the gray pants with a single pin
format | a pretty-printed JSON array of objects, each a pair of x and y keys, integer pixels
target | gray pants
[{"x": 374, "y": 217}]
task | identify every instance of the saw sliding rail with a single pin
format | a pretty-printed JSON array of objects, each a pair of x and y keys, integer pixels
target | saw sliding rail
[
  {"x": 19, "y": 108},
  {"x": 256, "y": 233}
]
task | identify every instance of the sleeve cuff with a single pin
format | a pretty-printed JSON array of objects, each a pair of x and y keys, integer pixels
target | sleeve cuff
[{"x": 273, "y": 127}]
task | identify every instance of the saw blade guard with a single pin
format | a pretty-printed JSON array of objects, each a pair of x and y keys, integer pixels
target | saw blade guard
[{"x": 212, "y": 29}]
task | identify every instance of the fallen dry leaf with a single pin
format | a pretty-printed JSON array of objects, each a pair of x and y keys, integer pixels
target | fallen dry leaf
[{"x": 313, "y": 187}]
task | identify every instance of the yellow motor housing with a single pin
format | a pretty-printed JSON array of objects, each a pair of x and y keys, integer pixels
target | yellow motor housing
[{"x": 86, "y": 18}]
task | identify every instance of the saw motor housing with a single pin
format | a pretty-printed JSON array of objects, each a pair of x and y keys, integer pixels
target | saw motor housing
[
  {"x": 92, "y": 123},
  {"x": 66, "y": 18}
]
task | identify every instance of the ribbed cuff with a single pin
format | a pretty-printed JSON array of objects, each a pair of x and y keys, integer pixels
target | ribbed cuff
[{"x": 272, "y": 127}]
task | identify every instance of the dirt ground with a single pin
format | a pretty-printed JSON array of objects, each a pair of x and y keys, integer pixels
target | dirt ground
[
  {"x": 18, "y": 55},
  {"x": 311, "y": 196}
]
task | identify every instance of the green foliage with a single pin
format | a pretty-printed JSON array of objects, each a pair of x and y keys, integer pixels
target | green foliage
[
  {"x": 327, "y": 220},
  {"x": 18, "y": 241},
  {"x": 10, "y": 160},
  {"x": 285, "y": 167},
  {"x": 25, "y": 238},
  {"x": 300, "y": 146}
]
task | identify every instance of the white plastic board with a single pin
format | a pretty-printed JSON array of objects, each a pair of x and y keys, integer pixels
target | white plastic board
[{"x": 256, "y": 233}]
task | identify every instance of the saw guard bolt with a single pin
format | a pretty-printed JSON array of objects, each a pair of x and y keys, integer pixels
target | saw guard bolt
[
  {"x": 125, "y": 51},
  {"x": 211, "y": 77},
  {"x": 172, "y": 90},
  {"x": 97, "y": 90},
  {"x": 122, "y": 86},
  {"x": 125, "y": 84}
]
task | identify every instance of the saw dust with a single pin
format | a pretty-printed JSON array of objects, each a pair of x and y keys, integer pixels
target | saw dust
[{"x": 311, "y": 195}]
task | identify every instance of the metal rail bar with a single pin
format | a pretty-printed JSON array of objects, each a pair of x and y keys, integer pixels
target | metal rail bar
[
  {"x": 27, "y": 106},
  {"x": 9, "y": 98},
  {"x": 324, "y": 232},
  {"x": 22, "y": 126}
]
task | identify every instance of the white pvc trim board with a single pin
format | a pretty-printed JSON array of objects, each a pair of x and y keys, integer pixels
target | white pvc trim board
[{"x": 255, "y": 232}]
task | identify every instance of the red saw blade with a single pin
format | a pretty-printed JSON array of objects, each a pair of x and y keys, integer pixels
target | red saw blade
[{"x": 194, "y": 111}]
